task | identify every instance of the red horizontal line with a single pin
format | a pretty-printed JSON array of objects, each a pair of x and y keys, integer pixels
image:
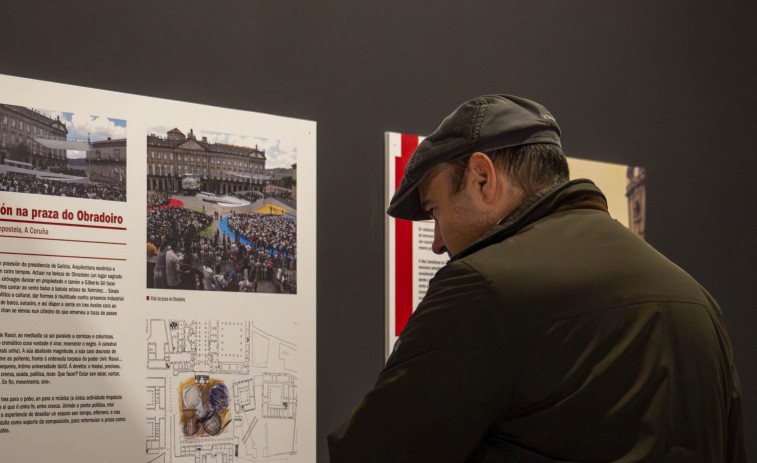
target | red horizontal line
[
  {"x": 59, "y": 239},
  {"x": 63, "y": 224},
  {"x": 55, "y": 255}
]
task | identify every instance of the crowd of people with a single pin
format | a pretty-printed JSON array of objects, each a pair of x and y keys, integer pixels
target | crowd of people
[
  {"x": 260, "y": 256},
  {"x": 233, "y": 266},
  {"x": 157, "y": 199},
  {"x": 273, "y": 233},
  {"x": 28, "y": 183},
  {"x": 176, "y": 225}
]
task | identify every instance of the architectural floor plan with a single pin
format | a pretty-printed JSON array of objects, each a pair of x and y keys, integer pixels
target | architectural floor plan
[{"x": 219, "y": 392}]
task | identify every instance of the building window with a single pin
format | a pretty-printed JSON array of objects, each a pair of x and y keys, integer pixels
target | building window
[
  {"x": 152, "y": 154},
  {"x": 170, "y": 155}
]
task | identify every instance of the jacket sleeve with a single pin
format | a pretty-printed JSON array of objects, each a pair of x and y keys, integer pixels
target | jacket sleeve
[{"x": 434, "y": 399}]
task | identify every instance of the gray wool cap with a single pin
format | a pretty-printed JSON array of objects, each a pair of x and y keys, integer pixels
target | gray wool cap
[{"x": 482, "y": 124}]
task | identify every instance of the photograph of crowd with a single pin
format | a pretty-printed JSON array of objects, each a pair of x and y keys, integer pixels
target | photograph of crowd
[
  {"x": 62, "y": 154},
  {"x": 221, "y": 213}
]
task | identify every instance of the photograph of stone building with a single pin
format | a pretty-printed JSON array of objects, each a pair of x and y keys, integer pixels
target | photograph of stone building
[
  {"x": 106, "y": 161},
  {"x": 177, "y": 162},
  {"x": 221, "y": 212},
  {"x": 62, "y": 154},
  {"x": 24, "y": 130}
]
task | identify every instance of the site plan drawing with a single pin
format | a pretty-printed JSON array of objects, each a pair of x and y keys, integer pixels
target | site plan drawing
[{"x": 219, "y": 391}]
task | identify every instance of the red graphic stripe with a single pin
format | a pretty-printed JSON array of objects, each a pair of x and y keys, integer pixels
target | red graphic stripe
[
  {"x": 61, "y": 239},
  {"x": 62, "y": 224},
  {"x": 403, "y": 258}
]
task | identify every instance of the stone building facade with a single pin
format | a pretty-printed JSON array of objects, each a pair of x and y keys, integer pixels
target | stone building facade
[
  {"x": 20, "y": 128},
  {"x": 221, "y": 169},
  {"x": 106, "y": 161}
]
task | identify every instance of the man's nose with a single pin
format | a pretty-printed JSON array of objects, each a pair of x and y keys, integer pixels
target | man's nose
[{"x": 438, "y": 245}]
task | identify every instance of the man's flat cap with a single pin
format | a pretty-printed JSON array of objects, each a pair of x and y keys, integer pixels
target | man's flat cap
[{"x": 482, "y": 124}]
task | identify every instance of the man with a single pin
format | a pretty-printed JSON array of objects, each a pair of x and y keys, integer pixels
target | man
[
  {"x": 159, "y": 275},
  {"x": 553, "y": 334},
  {"x": 173, "y": 266},
  {"x": 152, "y": 251}
]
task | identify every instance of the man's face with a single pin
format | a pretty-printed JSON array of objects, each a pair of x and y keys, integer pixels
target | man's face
[{"x": 457, "y": 216}]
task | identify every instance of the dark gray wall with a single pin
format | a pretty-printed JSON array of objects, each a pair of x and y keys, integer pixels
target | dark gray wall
[{"x": 666, "y": 85}]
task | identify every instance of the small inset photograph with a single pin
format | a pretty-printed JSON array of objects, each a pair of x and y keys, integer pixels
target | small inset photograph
[
  {"x": 62, "y": 154},
  {"x": 221, "y": 212}
]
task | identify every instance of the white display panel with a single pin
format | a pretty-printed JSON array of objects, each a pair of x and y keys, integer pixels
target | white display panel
[{"x": 97, "y": 363}]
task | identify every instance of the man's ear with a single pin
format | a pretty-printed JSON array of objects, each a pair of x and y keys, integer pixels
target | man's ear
[{"x": 482, "y": 176}]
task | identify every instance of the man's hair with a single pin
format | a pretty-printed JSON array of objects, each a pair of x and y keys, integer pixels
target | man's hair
[{"x": 532, "y": 168}]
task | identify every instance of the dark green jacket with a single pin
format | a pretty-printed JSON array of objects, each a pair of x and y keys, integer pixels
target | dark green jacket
[{"x": 559, "y": 336}]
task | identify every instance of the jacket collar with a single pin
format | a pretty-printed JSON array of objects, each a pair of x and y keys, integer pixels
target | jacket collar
[{"x": 576, "y": 194}]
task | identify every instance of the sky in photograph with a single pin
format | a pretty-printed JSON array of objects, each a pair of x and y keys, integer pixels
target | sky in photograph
[
  {"x": 278, "y": 152},
  {"x": 95, "y": 128}
]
